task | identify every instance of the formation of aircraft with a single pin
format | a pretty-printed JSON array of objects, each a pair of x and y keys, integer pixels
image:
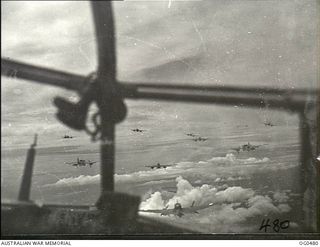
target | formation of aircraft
[
  {"x": 80, "y": 162},
  {"x": 247, "y": 147},
  {"x": 178, "y": 210},
  {"x": 158, "y": 166},
  {"x": 67, "y": 137},
  {"x": 138, "y": 130}
]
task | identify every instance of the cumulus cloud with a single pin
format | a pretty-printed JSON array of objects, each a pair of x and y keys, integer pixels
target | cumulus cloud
[
  {"x": 212, "y": 171},
  {"x": 230, "y": 159},
  {"x": 233, "y": 206},
  {"x": 75, "y": 181},
  {"x": 234, "y": 194},
  {"x": 154, "y": 202},
  {"x": 204, "y": 194}
]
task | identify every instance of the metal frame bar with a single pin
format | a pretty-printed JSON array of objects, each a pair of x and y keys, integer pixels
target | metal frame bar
[
  {"x": 103, "y": 20},
  {"x": 292, "y": 100}
]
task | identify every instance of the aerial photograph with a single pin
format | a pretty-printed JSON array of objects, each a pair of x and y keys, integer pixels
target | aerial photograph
[{"x": 160, "y": 117}]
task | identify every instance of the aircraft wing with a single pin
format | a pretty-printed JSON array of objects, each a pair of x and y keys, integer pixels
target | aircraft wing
[
  {"x": 196, "y": 208},
  {"x": 71, "y": 163},
  {"x": 151, "y": 210},
  {"x": 159, "y": 211},
  {"x": 150, "y": 166}
]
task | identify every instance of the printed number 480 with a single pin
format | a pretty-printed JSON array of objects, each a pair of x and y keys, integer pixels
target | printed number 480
[{"x": 277, "y": 225}]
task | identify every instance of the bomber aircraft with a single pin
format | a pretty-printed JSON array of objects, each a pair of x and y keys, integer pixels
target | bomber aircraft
[
  {"x": 200, "y": 139},
  {"x": 80, "y": 162},
  {"x": 191, "y": 134},
  {"x": 138, "y": 130},
  {"x": 158, "y": 166},
  {"x": 268, "y": 123},
  {"x": 67, "y": 137},
  {"x": 247, "y": 147}
]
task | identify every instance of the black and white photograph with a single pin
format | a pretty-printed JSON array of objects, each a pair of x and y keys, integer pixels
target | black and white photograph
[{"x": 167, "y": 119}]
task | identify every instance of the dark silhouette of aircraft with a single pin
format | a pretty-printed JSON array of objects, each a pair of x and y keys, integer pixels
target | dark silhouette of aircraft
[
  {"x": 178, "y": 210},
  {"x": 191, "y": 134},
  {"x": 158, "y": 166},
  {"x": 247, "y": 147},
  {"x": 80, "y": 162},
  {"x": 138, "y": 130},
  {"x": 245, "y": 125},
  {"x": 200, "y": 139},
  {"x": 67, "y": 137},
  {"x": 268, "y": 123}
]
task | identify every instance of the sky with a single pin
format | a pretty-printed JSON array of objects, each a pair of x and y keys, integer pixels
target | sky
[{"x": 249, "y": 43}]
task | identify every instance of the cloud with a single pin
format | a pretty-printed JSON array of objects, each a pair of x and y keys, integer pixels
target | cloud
[
  {"x": 154, "y": 202},
  {"x": 234, "y": 206},
  {"x": 204, "y": 194},
  {"x": 219, "y": 171},
  {"x": 234, "y": 194},
  {"x": 75, "y": 181}
]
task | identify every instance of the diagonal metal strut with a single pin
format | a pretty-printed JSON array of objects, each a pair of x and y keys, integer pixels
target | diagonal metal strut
[{"x": 293, "y": 100}]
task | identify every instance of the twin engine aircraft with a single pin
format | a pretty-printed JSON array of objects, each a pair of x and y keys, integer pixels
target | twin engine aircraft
[
  {"x": 200, "y": 139},
  {"x": 247, "y": 147},
  {"x": 67, "y": 137},
  {"x": 80, "y": 162},
  {"x": 191, "y": 134},
  {"x": 158, "y": 166},
  {"x": 138, "y": 130},
  {"x": 268, "y": 123},
  {"x": 196, "y": 137},
  {"x": 178, "y": 210}
]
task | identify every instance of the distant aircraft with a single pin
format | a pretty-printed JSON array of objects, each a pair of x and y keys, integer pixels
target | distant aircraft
[
  {"x": 242, "y": 125},
  {"x": 178, "y": 210},
  {"x": 191, "y": 134},
  {"x": 67, "y": 137},
  {"x": 158, "y": 166},
  {"x": 80, "y": 162},
  {"x": 200, "y": 139},
  {"x": 268, "y": 123},
  {"x": 138, "y": 130},
  {"x": 247, "y": 147}
]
